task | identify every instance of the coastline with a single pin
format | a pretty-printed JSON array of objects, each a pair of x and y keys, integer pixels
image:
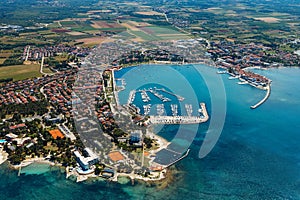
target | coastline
[
  {"x": 30, "y": 161},
  {"x": 264, "y": 99},
  {"x": 3, "y": 156}
]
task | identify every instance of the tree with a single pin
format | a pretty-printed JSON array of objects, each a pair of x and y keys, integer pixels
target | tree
[{"x": 97, "y": 171}]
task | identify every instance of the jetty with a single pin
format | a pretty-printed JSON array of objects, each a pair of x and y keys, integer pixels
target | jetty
[
  {"x": 264, "y": 99},
  {"x": 180, "y": 98},
  {"x": 182, "y": 157},
  {"x": 19, "y": 172}
]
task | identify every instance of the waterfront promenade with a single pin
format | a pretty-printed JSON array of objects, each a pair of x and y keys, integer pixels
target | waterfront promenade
[{"x": 181, "y": 119}]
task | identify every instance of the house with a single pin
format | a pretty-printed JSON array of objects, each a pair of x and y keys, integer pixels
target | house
[
  {"x": 17, "y": 127},
  {"x": 10, "y": 136}
]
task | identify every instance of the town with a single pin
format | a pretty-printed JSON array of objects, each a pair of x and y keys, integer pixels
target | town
[{"x": 68, "y": 112}]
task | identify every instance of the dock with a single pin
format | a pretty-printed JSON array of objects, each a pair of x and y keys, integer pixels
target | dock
[
  {"x": 19, "y": 172},
  {"x": 131, "y": 97},
  {"x": 181, "y": 119},
  {"x": 160, "y": 109},
  {"x": 174, "y": 108},
  {"x": 182, "y": 157},
  {"x": 264, "y": 99},
  {"x": 160, "y": 96},
  {"x": 180, "y": 98},
  {"x": 145, "y": 97}
]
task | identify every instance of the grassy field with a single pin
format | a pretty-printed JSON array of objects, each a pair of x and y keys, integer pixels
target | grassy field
[
  {"x": 20, "y": 72},
  {"x": 161, "y": 30},
  {"x": 145, "y": 36}
]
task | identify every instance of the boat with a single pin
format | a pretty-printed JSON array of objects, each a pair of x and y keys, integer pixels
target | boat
[
  {"x": 233, "y": 77},
  {"x": 189, "y": 109},
  {"x": 242, "y": 82},
  {"x": 160, "y": 109},
  {"x": 174, "y": 108},
  {"x": 222, "y": 72},
  {"x": 145, "y": 97}
]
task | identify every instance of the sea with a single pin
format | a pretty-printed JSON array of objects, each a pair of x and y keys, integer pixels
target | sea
[{"x": 256, "y": 153}]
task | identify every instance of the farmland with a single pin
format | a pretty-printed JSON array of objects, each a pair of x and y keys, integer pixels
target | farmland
[{"x": 20, "y": 72}]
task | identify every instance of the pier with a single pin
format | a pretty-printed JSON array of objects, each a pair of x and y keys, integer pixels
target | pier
[
  {"x": 160, "y": 96},
  {"x": 160, "y": 109},
  {"x": 264, "y": 99},
  {"x": 131, "y": 97},
  {"x": 182, "y": 157},
  {"x": 180, "y": 98},
  {"x": 174, "y": 108},
  {"x": 19, "y": 171},
  {"x": 145, "y": 97},
  {"x": 181, "y": 119},
  {"x": 189, "y": 109}
]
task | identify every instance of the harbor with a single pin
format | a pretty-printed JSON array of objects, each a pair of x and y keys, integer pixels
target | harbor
[{"x": 157, "y": 92}]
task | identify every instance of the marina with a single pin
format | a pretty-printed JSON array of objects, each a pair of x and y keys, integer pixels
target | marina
[
  {"x": 160, "y": 109},
  {"x": 145, "y": 96},
  {"x": 160, "y": 96},
  {"x": 131, "y": 97},
  {"x": 147, "y": 109},
  {"x": 174, "y": 108},
  {"x": 189, "y": 109},
  {"x": 203, "y": 117}
]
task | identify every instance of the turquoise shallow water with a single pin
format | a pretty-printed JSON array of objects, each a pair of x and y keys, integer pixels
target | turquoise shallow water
[
  {"x": 256, "y": 157},
  {"x": 36, "y": 168}
]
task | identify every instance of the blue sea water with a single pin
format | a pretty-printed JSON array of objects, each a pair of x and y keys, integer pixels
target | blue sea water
[{"x": 256, "y": 157}]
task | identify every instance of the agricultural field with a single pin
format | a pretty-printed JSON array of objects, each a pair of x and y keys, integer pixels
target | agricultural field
[
  {"x": 150, "y": 13},
  {"x": 103, "y": 24},
  {"x": 144, "y": 36},
  {"x": 77, "y": 25},
  {"x": 92, "y": 41},
  {"x": 20, "y": 72},
  {"x": 144, "y": 31}
]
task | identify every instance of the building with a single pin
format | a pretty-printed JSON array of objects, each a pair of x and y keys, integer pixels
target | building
[
  {"x": 49, "y": 120},
  {"x": 86, "y": 162},
  {"x": 17, "y": 127},
  {"x": 136, "y": 138}
]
